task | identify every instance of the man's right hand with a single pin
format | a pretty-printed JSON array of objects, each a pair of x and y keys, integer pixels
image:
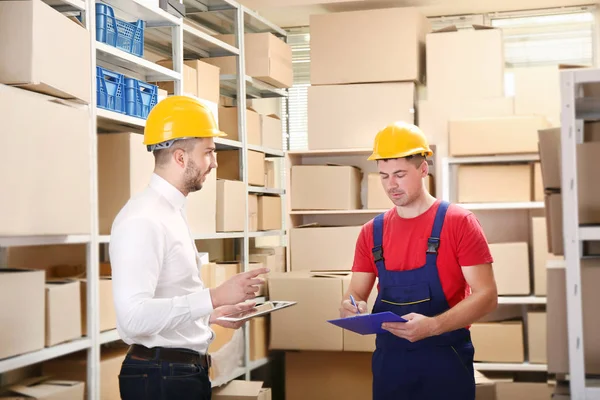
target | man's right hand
[
  {"x": 238, "y": 289},
  {"x": 348, "y": 310}
]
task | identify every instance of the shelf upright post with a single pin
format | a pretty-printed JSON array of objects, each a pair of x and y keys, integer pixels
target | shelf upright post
[
  {"x": 571, "y": 234},
  {"x": 177, "y": 48},
  {"x": 93, "y": 251}
]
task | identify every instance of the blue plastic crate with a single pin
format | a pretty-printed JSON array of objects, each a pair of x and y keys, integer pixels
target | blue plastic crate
[
  {"x": 110, "y": 90},
  {"x": 140, "y": 97},
  {"x": 127, "y": 36}
]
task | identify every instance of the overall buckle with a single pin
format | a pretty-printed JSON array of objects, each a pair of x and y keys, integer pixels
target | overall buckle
[
  {"x": 433, "y": 244},
  {"x": 377, "y": 253}
]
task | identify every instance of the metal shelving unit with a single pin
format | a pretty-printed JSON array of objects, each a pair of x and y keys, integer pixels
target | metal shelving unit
[
  {"x": 175, "y": 38},
  {"x": 574, "y": 111}
]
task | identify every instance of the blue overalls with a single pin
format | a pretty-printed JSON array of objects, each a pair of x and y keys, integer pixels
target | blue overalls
[{"x": 435, "y": 368}]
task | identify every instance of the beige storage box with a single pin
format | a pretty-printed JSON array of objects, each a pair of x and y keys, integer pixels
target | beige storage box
[
  {"x": 323, "y": 248},
  {"x": 63, "y": 311},
  {"x": 228, "y": 123},
  {"x": 229, "y": 166},
  {"x": 511, "y": 268},
  {"x": 494, "y": 183},
  {"x": 325, "y": 187},
  {"x": 230, "y": 206},
  {"x": 499, "y": 342}
]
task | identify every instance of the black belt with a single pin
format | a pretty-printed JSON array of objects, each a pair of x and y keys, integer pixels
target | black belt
[{"x": 172, "y": 355}]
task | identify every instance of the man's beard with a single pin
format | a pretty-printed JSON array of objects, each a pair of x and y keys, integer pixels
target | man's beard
[{"x": 192, "y": 178}]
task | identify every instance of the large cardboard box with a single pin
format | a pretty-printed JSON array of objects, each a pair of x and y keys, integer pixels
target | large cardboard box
[
  {"x": 557, "y": 346},
  {"x": 485, "y": 389},
  {"x": 200, "y": 79},
  {"x": 269, "y": 213},
  {"x": 252, "y": 212},
  {"x": 74, "y": 367},
  {"x": 554, "y": 223},
  {"x": 538, "y": 185},
  {"x": 38, "y": 33},
  {"x": 63, "y": 311},
  {"x": 229, "y": 166},
  {"x": 494, "y": 183},
  {"x": 272, "y": 258},
  {"x": 336, "y": 113},
  {"x": 23, "y": 326},
  {"x": 124, "y": 169},
  {"x": 268, "y": 59},
  {"x": 541, "y": 255},
  {"x": 354, "y": 341},
  {"x": 391, "y": 43},
  {"x": 511, "y": 268},
  {"x": 328, "y": 375},
  {"x": 323, "y": 248},
  {"x": 50, "y": 193},
  {"x": 529, "y": 83},
  {"x": 500, "y": 342},
  {"x": 523, "y": 391},
  {"x": 536, "y": 337},
  {"x": 304, "y": 326},
  {"x": 491, "y": 136},
  {"x": 271, "y": 132},
  {"x": 325, "y": 187},
  {"x": 259, "y": 340},
  {"x": 242, "y": 390},
  {"x": 465, "y": 63},
  {"x": 230, "y": 206},
  {"x": 228, "y": 123},
  {"x": 106, "y": 309},
  {"x": 45, "y": 389}
]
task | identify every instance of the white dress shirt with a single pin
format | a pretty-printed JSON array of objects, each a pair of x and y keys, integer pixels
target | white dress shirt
[{"x": 159, "y": 297}]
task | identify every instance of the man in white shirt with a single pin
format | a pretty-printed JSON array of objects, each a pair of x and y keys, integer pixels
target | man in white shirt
[{"x": 163, "y": 309}]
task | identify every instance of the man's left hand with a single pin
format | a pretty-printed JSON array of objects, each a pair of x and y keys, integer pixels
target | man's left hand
[
  {"x": 417, "y": 328},
  {"x": 226, "y": 310}
]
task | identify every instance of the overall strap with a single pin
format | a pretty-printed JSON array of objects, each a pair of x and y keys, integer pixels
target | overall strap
[
  {"x": 378, "y": 243},
  {"x": 433, "y": 243}
]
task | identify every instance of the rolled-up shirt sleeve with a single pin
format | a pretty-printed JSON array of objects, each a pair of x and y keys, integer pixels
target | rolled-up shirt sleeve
[{"x": 137, "y": 248}]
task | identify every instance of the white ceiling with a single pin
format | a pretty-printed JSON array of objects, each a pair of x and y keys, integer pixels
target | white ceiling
[{"x": 289, "y": 13}]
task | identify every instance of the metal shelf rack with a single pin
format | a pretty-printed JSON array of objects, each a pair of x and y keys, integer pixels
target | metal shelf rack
[
  {"x": 175, "y": 38},
  {"x": 575, "y": 110}
]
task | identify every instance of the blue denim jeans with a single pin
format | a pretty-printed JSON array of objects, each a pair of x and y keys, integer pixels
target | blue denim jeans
[{"x": 156, "y": 380}]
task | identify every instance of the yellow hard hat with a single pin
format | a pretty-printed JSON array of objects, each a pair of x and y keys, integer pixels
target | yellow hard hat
[
  {"x": 399, "y": 140},
  {"x": 179, "y": 117}
]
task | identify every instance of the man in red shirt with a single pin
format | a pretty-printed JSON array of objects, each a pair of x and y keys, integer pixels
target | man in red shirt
[{"x": 434, "y": 268}]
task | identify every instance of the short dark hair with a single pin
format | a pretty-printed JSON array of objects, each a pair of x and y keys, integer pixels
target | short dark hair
[{"x": 162, "y": 156}]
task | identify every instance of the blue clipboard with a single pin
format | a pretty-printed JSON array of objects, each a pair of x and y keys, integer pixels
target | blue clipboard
[{"x": 367, "y": 324}]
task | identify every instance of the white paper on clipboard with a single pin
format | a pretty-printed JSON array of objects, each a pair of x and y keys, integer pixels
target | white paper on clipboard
[{"x": 260, "y": 310}]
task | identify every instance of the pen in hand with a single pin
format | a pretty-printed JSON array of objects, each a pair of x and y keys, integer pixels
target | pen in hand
[{"x": 354, "y": 304}]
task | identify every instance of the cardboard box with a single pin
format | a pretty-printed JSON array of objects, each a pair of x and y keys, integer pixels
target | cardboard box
[
  {"x": 465, "y": 63},
  {"x": 328, "y": 375},
  {"x": 485, "y": 389},
  {"x": 200, "y": 79},
  {"x": 229, "y": 166},
  {"x": 201, "y": 207},
  {"x": 46, "y": 256},
  {"x": 24, "y": 324},
  {"x": 325, "y": 187},
  {"x": 541, "y": 255},
  {"x": 228, "y": 123},
  {"x": 63, "y": 311},
  {"x": 500, "y": 342},
  {"x": 108, "y": 314},
  {"x": 230, "y": 206},
  {"x": 29, "y": 59},
  {"x": 529, "y": 83},
  {"x": 549, "y": 149},
  {"x": 74, "y": 367},
  {"x": 556, "y": 308},
  {"x": 224, "y": 271},
  {"x": 323, "y": 248},
  {"x": 274, "y": 262},
  {"x": 252, "y": 212},
  {"x": 124, "y": 169},
  {"x": 336, "y": 114},
  {"x": 304, "y": 326},
  {"x": 259, "y": 340},
  {"x": 511, "y": 268},
  {"x": 554, "y": 223},
  {"x": 494, "y": 183},
  {"x": 354, "y": 341},
  {"x": 270, "y": 181},
  {"x": 523, "y": 391},
  {"x": 391, "y": 43},
  {"x": 44, "y": 389},
  {"x": 538, "y": 184},
  {"x": 242, "y": 390},
  {"x": 536, "y": 337},
  {"x": 269, "y": 213},
  {"x": 272, "y": 132},
  {"x": 491, "y": 136},
  {"x": 268, "y": 59},
  {"x": 57, "y": 201}
]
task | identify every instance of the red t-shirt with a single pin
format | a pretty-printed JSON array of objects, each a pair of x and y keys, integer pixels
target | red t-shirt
[{"x": 462, "y": 243}]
